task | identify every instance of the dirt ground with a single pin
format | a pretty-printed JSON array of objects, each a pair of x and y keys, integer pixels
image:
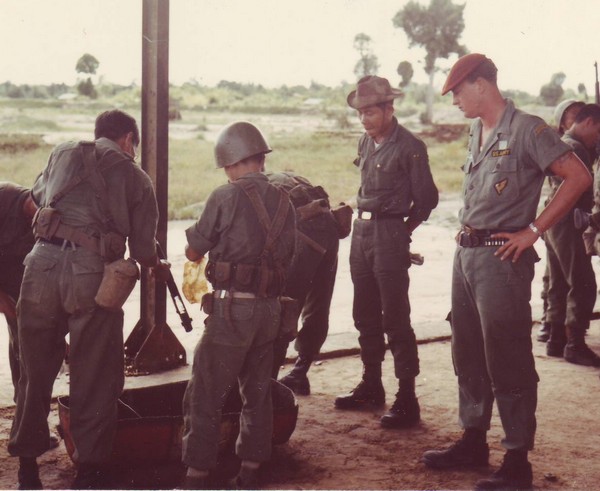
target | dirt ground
[{"x": 333, "y": 449}]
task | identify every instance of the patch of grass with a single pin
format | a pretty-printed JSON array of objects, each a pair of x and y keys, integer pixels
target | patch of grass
[
  {"x": 13, "y": 143},
  {"x": 23, "y": 165},
  {"x": 324, "y": 157},
  {"x": 23, "y": 123},
  {"x": 192, "y": 176},
  {"x": 446, "y": 160}
]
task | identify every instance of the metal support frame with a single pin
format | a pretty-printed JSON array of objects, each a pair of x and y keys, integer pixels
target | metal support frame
[{"x": 152, "y": 346}]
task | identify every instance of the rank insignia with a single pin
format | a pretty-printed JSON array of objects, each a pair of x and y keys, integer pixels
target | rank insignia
[{"x": 501, "y": 186}]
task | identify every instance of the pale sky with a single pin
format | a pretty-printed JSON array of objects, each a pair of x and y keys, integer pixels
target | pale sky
[{"x": 275, "y": 42}]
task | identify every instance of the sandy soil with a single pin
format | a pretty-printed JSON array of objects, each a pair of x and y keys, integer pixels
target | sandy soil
[{"x": 333, "y": 449}]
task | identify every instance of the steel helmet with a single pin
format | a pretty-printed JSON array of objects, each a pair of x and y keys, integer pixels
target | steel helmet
[
  {"x": 238, "y": 141},
  {"x": 561, "y": 109}
]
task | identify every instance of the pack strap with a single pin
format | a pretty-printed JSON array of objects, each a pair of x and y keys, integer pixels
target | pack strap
[
  {"x": 91, "y": 169},
  {"x": 272, "y": 228}
]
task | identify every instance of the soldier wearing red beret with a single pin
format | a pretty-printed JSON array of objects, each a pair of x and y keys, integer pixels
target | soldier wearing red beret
[{"x": 509, "y": 153}]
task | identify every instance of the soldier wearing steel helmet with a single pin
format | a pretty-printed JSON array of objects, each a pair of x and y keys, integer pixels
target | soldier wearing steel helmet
[
  {"x": 564, "y": 116},
  {"x": 396, "y": 194},
  {"x": 248, "y": 230},
  {"x": 572, "y": 286},
  {"x": 509, "y": 153}
]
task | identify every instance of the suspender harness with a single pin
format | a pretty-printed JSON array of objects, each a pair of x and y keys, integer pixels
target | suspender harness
[{"x": 47, "y": 224}]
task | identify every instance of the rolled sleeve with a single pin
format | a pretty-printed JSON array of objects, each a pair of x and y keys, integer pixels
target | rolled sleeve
[{"x": 204, "y": 234}]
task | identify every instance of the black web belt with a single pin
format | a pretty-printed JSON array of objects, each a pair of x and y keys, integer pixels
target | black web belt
[
  {"x": 469, "y": 237},
  {"x": 371, "y": 215}
]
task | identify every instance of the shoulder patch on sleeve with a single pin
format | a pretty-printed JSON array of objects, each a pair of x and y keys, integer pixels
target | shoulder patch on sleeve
[{"x": 539, "y": 128}]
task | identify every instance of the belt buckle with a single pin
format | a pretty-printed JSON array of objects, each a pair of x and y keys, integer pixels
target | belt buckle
[
  {"x": 366, "y": 215},
  {"x": 220, "y": 293},
  {"x": 467, "y": 239}
]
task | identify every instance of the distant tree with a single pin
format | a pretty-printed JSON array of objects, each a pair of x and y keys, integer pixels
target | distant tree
[
  {"x": 86, "y": 88},
  {"x": 558, "y": 78},
  {"x": 368, "y": 63},
  {"x": 437, "y": 28},
  {"x": 552, "y": 92},
  {"x": 582, "y": 91},
  {"x": 87, "y": 64},
  {"x": 406, "y": 72},
  {"x": 15, "y": 92}
]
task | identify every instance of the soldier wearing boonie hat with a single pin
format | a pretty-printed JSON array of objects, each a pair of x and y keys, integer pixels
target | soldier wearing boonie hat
[
  {"x": 509, "y": 153},
  {"x": 396, "y": 194}
]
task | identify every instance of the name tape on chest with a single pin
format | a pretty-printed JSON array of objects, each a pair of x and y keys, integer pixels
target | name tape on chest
[{"x": 501, "y": 153}]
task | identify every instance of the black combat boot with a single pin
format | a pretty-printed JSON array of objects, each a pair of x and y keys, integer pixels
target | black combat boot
[
  {"x": 195, "y": 480},
  {"x": 470, "y": 451},
  {"x": 544, "y": 332},
  {"x": 405, "y": 412},
  {"x": 514, "y": 474},
  {"x": 557, "y": 340},
  {"x": 29, "y": 477},
  {"x": 247, "y": 478},
  {"x": 576, "y": 351},
  {"x": 368, "y": 392},
  {"x": 297, "y": 380}
]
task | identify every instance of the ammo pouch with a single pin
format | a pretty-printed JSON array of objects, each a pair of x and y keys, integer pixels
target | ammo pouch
[
  {"x": 207, "y": 303},
  {"x": 312, "y": 209},
  {"x": 112, "y": 246},
  {"x": 118, "y": 281},
  {"x": 45, "y": 223},
  {"x": 290, "y": 313},
  {"x": 343, "y": 219},
  {"x": 225, "y": 275}
]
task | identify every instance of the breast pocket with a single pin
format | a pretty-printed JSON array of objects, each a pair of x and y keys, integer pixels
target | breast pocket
[
  {"x": 504, "y": 178},
  {"x": 387, "y": 176}
]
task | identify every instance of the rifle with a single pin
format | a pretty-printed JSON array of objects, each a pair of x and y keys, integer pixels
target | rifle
[
  {"x": 597, "y": 84},
  {"x": 186, "y": 320}
]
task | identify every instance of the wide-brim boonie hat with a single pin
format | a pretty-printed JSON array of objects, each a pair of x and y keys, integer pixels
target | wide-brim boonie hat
[
  {"x": 464, "y": 66},
  {"x": 371, "y": 90}
]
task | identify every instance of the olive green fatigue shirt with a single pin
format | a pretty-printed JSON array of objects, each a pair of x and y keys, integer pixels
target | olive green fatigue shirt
[
  {"x": 131, "y": 198},
  {"x": 395, "y": 176},
  {"x": 504, "y": 179}
]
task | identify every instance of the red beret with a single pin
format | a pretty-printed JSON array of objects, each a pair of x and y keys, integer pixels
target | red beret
[{"x": 461, "y": 70}]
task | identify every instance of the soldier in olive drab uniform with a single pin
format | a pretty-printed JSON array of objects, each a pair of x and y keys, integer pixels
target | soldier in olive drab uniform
[
  {"x": 572, "y": 286},
  {"x": 311, "y": 278},
  {"x": 564, "y": 116},
  {"x": 62, "y": 275},
  {"x": 396, "y": 194},
  {"x": 248, "y": 229},
  {"x": 509, "y": 153},
  {"x": 16, "y": 240}
]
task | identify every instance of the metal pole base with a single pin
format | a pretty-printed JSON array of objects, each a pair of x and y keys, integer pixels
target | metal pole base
[{"x": 155, "y": 352}]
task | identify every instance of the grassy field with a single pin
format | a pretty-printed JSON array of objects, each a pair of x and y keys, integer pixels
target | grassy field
[{"x": 305, "y": 144}]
